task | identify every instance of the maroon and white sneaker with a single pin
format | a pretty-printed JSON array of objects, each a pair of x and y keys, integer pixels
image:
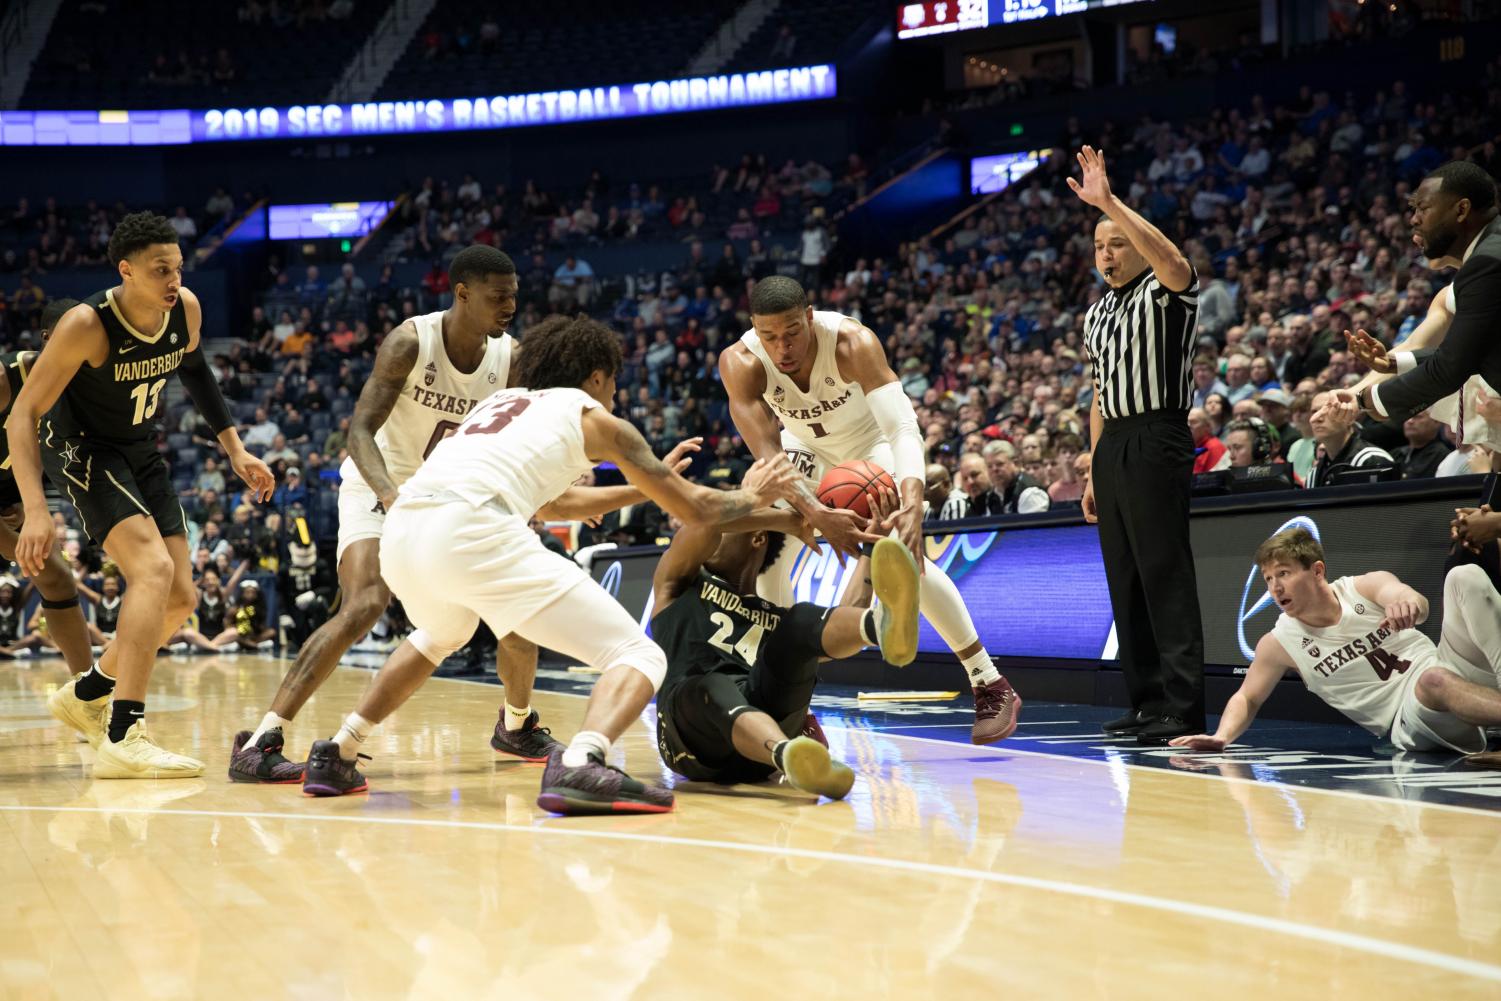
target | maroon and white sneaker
[
  {"x": 262, "y": 761},
  {"x": 997, "y": 708},
  {"x": 597, "y": 788},
  {"x": 812, "y": 729}
]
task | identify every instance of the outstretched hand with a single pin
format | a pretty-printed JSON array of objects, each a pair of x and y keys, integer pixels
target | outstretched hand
[
  {"x": 1094, "y": 189},
  {"x": 681, "y": 456},
  {"x": 1371, "y": 352}
]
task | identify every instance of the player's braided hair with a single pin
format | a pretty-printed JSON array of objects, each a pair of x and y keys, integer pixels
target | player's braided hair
[
  {"x": 138, "y": 231},
  {"x": 565, "y": 351}
]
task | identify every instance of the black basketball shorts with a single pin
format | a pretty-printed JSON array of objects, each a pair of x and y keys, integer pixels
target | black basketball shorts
[{"x": 108, "y": 483}]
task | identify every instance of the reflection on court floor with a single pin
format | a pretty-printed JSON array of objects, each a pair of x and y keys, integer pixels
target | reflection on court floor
[{"x": 1055, "y": 865}]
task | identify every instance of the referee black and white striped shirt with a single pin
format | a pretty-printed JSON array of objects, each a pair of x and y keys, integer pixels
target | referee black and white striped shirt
[{"x": 1141, "y": 339}]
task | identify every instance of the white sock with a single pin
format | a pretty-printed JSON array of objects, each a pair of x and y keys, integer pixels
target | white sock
[
  {"x": 981, "y": 669},
  {"x": 270, "y": 721},
  {"x": 583, "y": 744},
  {"x": 352, "y": 734},
  {"x": 516, "y": 718}
]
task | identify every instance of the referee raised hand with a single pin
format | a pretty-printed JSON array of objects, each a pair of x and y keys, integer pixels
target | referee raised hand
[{"x": 1140, "y": 337}]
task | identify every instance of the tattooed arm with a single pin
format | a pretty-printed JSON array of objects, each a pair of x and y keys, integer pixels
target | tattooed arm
[
  {"x": 393, "y": 363},
  {"x": 607, "y": 437}
]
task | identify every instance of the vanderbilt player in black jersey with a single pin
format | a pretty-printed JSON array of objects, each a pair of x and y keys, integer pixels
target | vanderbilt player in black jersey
[
  {"x": 741, "y": 671},
  {"x": 65, "y": 621},
  {"x": 95, "y": 391}
]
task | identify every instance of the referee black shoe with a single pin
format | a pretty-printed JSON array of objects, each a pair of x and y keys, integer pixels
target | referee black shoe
[
  {"x": 1162, "y": 729},
  {"x": 1129, "y": 724}
]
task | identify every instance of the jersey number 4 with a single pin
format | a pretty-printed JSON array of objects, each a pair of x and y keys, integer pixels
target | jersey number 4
[
  {"x": 147, "y": 396},
  {"x": 1386, "y": 664},
  {"x": 749, "y": 646}
]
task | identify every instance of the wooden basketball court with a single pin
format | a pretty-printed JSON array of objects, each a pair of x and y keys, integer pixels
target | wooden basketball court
[{"x": 951, "y": 871}]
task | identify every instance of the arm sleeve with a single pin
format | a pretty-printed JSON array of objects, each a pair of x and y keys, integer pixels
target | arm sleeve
[
  {"x": 1468, "y": 345},
  {"x": 198, "y": 380},
  {"x": 893, "y": 412}
]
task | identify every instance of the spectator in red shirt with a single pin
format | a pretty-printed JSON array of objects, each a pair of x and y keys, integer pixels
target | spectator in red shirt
[{"x": 1209, "y": 451}]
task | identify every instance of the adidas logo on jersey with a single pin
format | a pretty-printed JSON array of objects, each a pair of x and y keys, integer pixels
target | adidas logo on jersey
[
  {"x": 430, "y": 374},
  {"x": 1307, "y": 642}
]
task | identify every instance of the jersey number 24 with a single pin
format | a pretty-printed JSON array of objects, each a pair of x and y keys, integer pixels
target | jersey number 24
[{"x": 749, "y": 645}]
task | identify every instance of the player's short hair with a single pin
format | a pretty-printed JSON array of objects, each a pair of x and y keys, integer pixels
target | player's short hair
[
  {"x": 476, "y": 263},
  {"x": 138, "y": 231},
  {"x": 565, "y": 350},
  {"x": 1293, "y": 545},
  {"x": 54, "y": 311},
  {"x": 774, "y": 543},
  {"x": 1467, "y": 179},
  {"x": 777, "y": 294}
]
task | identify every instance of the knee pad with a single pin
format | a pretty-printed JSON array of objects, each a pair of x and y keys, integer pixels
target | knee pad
[
  {"x": 436, "y": 649},
  {"x": 640, "y": 653}
]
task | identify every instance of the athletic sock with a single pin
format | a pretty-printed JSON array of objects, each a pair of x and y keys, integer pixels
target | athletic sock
[
  {"x": 777, "y": 752},
  {"x": 981, "y": 669},
  {"x": 583, "y": 744},
  {"x": 351, "y": 736},
  {"x": 123, "y": 714},
  {"x": 516, "y": 718},
  {"x": 869, "y": 628},
  {"x": 93, "y": 684},
  {"x": 270, "y": 721}
]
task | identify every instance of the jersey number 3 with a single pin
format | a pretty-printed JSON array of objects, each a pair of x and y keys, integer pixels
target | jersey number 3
[
  {"x": 148, "y": 396},
  {"x": 749, "y": 646}
]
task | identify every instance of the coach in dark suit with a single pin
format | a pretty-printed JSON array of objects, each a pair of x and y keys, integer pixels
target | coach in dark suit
[{"x": 1454, "y": 225}]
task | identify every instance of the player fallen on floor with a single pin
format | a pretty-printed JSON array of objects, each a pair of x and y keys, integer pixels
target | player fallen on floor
[
  {"x": 1355, "y": 643},
  {"x": 457, "y": 548},
  {"x": 741, "y": 670}
]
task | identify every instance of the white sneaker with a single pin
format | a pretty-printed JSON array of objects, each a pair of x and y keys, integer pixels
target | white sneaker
[
  {"x": 894, "y": 577},
  {"x": 137, "y": 757},
  {"x": 88, "y": 718}
]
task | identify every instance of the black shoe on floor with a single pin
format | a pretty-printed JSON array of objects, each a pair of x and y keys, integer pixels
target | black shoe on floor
[
  {"x": 531, "y": 743},
  {"x": 597, "y": 788},
  {"x": 1125, "y": 726},
  {"x": 1163, "y": 729},
  {"x": 327, "y": 774}
]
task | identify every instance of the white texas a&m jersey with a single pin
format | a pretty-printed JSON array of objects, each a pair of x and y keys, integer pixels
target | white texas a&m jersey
[
  {"x": 1355, "y": 666},
  {"x": 435, "y": 399},
  {"x": 831, "y": 418},
  {"x": 518, "y": 447}
]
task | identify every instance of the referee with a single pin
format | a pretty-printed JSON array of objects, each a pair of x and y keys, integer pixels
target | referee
[{"x": 1140, "y": 336}]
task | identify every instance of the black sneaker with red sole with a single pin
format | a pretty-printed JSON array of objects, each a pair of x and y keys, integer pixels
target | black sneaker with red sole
[
  {"x": 262, "y": 761},
  {"x": 597, "y": 788}
]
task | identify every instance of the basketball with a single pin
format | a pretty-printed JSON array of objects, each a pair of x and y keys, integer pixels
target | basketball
[{"x": 849, "y": 485}]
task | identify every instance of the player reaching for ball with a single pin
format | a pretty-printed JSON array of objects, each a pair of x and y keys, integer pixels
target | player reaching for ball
[
  {"x": 825, "y": 377},
  {"x": 741, "y": 671}
]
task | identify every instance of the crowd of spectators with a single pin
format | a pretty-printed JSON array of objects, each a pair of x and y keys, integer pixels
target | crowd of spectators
[{"x": 1293, "y": 216}]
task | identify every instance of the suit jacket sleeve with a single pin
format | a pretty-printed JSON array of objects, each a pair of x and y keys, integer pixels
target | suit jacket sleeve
[{"x": 1472, "y": 338}]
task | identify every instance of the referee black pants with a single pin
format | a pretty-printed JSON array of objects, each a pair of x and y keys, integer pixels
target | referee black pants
[{"x": 1142, "y": 470}]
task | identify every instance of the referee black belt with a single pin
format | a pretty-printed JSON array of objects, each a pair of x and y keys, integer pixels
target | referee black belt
[{"x": 1150, "y": 417}]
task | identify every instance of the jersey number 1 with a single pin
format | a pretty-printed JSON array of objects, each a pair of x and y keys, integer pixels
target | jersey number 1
[{"x": 148, "y": 397}]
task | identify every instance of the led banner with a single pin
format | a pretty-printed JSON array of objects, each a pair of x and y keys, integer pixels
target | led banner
[
  {"x": 378, "y": 118},
  {"x": 918, "y": 18},
  {"x": 331, "y": 219},
  {"x": 1041, "y": 592}
]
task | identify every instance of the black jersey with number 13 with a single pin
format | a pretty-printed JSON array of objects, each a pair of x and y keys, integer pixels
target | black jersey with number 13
[{"x": 119, "y": 400}]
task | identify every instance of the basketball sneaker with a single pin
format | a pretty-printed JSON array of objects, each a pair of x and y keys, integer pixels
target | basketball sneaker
[
  {"x": 812, "y": 729},
  {"x": 262, "y": 761},
  {"x": 90, "y": 719},
  {"x": 530, "y": 743},
  {"x": 597, "y": 788},
  {"x": 327, "y": 774},
  {"x": 894, "y": 578},
  {"x": 136, "y": 756},
  {"x": 808, "y": 767},
  {"x": 997, "y": 708}
]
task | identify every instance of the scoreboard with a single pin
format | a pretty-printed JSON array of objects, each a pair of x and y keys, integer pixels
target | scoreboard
[{"x": 920, "y": 18}]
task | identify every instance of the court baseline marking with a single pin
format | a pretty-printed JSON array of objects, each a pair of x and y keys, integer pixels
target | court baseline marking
[{"x": 1345, "y": 940}]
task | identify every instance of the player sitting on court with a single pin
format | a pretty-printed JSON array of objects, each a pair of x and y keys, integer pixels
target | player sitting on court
[
  {"x": 741, "y": 671},
  {"x": 1354, "y": 643}
]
